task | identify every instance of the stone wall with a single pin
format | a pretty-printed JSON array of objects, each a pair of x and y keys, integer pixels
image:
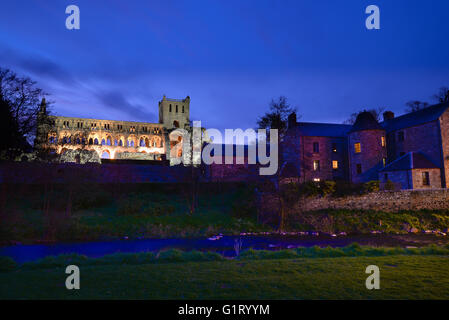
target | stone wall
[{"x": 390, "y": 201}]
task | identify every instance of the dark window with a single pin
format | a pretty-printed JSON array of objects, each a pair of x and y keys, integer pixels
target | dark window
[
  {"x": 386, "y": 176},
  {"x": 401, "y": 136},
  {"x": 176, "y": 108},
  {"x": 334, "y": 147},
  {"x": 316, "y": 147},
  {"x": 182, "y": 109},
  {"x": 359, "y": 168},
  {"x": 425, "y": 179},
  {"x": 169, "y": 108}
]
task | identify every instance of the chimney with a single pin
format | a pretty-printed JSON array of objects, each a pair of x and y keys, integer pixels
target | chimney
[
  {"x": 388, "y": 115},
  {"x": 292, "y": 120}
]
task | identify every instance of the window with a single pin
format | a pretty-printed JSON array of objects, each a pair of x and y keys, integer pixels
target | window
[
  {"x": 386, "y": 176},
  {"x": 316, "y": 179},
  {"x": 169, "y": 108},
  {"x": 176, "y": 108},
  {"x": 334, "y": 164},
  {"x": 382, "y": 141},
  {"x": 425, "y": 178},
  {"x": 359, "y": 168},
  {"x": 334, "y": 147},
  {"x": 106, "y": 126},
  {"x": 316, "y": 147},
  {"x": 401, "y": 136},
  {"x": 182, "y": 109},
  {"x": 384, "y": 161},
  {"x": 119, "y": 127},
  {"x": 79, "y": 124},
  {"x": 316, "y": 165},
  {"x": 357, "y": 147}
]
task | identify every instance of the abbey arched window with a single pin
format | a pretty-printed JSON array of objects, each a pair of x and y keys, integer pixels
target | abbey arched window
[
  {"x": 109, "y": 141},
  {"x": 115, "y": 143},
  {"x": 78, "y": 141},
  {"x": 142, "y": 142},
  {"x": 91, "y": 141},
  {"x": 103, "y": 142},
  {"x": 120, "y": 143},
  {"x": 96, "y": 141}
]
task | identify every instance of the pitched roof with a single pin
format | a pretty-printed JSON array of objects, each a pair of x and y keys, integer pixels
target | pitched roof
[
  {"x": 411, "y": 160},
  {"x": 415, "y": 118},
  {"x": 312, "y": 129},
  {"x": 365, "y": 121}
]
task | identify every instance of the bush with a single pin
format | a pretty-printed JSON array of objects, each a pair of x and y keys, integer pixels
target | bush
[
  {"x": 328, "y": 187},
  {"x": 7, "y": 264},
  {"x": 371, "y": 186}
]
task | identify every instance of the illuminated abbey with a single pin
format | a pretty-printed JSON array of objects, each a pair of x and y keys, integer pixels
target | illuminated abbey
[{"x": 84, "y": 140}]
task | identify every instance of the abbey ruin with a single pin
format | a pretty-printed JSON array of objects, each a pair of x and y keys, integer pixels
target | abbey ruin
[{"x": 82, "y": 140}]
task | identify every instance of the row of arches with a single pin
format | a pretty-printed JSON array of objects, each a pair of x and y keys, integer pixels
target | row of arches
[{"x": 130, "y": 141}]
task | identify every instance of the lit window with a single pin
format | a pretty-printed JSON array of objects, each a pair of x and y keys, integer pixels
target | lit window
[
  {"x": 316, "y": 165},
  {"x": 384, "y": 161},
  {"x": 357, "y": 147},
  {"x": 334, "y": 164},
  {"x": 382, "y": 141},
  {"x": 316, "y": 179},
  {"x": 425, "y": 179}
]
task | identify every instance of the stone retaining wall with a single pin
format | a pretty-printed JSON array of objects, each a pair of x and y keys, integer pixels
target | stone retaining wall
[{"x": 390, "y": 201}]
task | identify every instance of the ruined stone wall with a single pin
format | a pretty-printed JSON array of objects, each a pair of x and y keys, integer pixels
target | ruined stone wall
[{"x": 390, "y": 201}]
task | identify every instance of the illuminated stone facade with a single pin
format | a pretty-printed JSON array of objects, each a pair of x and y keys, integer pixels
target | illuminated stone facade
[{"x": 84, "y": 140}]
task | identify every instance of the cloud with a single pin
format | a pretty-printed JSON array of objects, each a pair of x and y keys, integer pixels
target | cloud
[
  {"x": 117, "y": 101},
  {"x": 36, "y": 65}
]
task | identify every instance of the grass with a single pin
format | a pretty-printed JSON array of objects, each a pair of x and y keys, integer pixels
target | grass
[
  {"x": 102, "y": 212},
  {"x": 401, "y": 277}
]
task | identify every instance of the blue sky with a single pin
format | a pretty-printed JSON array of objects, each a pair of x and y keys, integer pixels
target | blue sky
[{"x": 230, "y": 57}]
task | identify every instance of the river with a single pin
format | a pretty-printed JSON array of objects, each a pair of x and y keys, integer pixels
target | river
[{"x": 223, "y": 245}]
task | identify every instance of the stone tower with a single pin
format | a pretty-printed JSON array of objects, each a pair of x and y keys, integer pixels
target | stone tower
[
  {"x": 367, "y": 148},
  {"x": 174, "y": 113}
]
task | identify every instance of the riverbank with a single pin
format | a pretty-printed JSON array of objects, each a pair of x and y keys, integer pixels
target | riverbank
[
  {"x": 402, "y": 277},
  {"x": 80, "y": 213}
]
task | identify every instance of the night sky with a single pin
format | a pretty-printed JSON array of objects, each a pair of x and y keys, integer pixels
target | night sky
[{"x": 230, "y": 57}]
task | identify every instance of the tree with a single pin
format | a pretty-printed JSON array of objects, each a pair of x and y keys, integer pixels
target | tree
[
  {"x": 442, "y": 95},
  {"x": 375, "y": 112},
  {"x": 19, "y": 102},
  {"x": 277, "y": 117},
  {"x": 416, "y": 105}
]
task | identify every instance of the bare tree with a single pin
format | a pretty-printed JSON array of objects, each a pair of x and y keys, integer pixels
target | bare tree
[
  {"x": 277, "y": 116},
  {"x": 442, "y": 95},
  {"x": 376, "y": 112},
  {"x": 415, "y": 105},
  {"x": 19, "y": 99}
]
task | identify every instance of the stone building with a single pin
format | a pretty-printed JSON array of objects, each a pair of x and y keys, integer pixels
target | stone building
[
  {"x": 84, "y": 140},
  {"x": 411, "y": 150}
]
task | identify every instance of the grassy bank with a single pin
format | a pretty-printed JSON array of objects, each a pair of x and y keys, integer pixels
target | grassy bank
[
  {"x": 402, "y": 277},
  {"x": 365, "y": 221},
  {"x": 79, "y": 212},
  {"x": 31, "y": 213}
]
